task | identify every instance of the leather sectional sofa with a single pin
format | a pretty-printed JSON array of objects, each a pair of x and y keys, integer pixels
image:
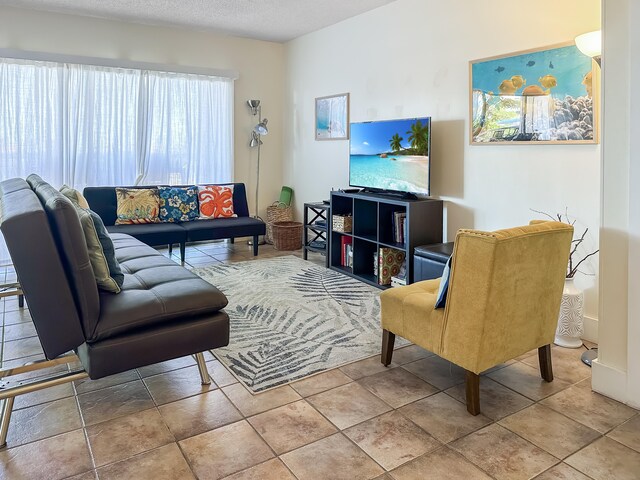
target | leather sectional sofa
[{"x": 102, "y": 200}]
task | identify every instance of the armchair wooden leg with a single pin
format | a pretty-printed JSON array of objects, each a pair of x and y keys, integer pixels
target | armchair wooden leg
[
  {"x": 388, "y": 339},
  {"x": 546, "y": 369},
  {"x": 472, "y": 386},
  {"x": 170, "y": 249},
  {"x": 183, "y": 248}
]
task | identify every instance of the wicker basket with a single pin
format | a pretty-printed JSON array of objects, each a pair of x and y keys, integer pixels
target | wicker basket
[
  {"x": 342, "y": 223},
  {"x": 278, "y": 212},
  {"x": 287, "y": 235}
]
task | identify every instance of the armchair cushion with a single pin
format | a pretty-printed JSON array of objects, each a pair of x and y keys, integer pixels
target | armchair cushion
[{"x": 409, "y": 312}]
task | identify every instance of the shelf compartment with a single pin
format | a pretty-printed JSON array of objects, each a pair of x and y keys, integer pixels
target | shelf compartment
[
  {"x": 365, "y": 215},
  {"x": 363, "y": 251},
  {"x": 386, "y": 223}
]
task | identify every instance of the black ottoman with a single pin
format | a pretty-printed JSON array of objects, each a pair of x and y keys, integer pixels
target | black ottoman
[{"x": 429, "y": 260}]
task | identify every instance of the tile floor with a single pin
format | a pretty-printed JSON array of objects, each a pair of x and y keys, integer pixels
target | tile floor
[{"x": 362, "y": 421}]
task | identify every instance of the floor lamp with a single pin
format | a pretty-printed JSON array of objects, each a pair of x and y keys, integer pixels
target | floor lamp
[
  {"x": 255, "y": 141},
  {"x": 591, "y": 45}
]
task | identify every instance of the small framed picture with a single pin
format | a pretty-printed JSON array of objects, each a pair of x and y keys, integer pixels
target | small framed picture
[{"x": 332, "y": 117}]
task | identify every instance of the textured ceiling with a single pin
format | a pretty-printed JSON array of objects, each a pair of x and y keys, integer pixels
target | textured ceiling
[{"x": 273, "y": 20}]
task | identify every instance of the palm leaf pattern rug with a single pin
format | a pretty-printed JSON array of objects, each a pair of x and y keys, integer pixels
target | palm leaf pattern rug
[{"x": 291, "y": 318}]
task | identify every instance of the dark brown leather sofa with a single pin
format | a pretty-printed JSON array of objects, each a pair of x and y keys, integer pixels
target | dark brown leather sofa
[
  {"x": 163, "y": 311},
  {"x": 102, "y": 200}
]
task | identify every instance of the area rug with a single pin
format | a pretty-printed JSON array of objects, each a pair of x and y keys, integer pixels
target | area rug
[{"x": 291, "y": 318}]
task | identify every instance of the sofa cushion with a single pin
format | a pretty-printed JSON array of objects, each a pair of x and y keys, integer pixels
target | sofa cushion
[
  {"x": 74, "y": 195},
  {"x": 156, "y": 290},
  {"x": 223, "y": 228},
  {"x": 137, "y": 205},
  {"x": 152, "y": 234},
  {"x": 106, "y": 269},
  {"x": 178, "y": 204},
  {"x": 216, "y": 201},
  {"x": 72, "y": 247}
]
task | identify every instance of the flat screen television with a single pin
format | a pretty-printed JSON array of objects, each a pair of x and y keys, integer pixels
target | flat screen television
[{"x": 391, "y": 155}]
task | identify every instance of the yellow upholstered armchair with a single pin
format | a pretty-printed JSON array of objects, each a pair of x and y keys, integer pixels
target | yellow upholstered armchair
[{"x": 503, "y": 300}]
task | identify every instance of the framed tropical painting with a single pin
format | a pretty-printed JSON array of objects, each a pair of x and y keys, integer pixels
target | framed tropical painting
[
  {"x": 534, "y": 97},
  {"x": 332, "y": 117}
]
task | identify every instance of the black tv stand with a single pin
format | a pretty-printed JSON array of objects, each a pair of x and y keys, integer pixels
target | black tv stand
[{"x": 390, "y": 193}]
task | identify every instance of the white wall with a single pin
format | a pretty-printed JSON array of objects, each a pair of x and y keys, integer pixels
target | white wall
[
  {"x": 616, "y": 372},
  {"x": 410, "y": 58},
  {"x": 260, "y": 65}
]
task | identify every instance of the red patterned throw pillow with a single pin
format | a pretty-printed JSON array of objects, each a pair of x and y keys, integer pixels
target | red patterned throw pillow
[{"x": 216, "y": 201}]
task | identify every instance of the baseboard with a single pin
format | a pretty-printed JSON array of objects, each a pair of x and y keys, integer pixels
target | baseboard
[
  {"x": 609, "y": 381},
  {"x": 590, "y": 329}
]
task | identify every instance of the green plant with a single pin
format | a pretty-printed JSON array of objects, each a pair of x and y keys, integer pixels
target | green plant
[
  {"x": 574, "y": 257},
  {"x": 396, "y": 142}
]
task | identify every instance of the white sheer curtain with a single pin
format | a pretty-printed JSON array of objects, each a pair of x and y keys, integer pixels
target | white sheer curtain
[{"x": 89, "y": 125}]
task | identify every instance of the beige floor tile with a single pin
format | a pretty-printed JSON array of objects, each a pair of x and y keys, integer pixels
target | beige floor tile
[
  {"x": 391, "y": 439},
  {"x": 43, "y": 396},
  {"x": 166, "y": 366},
  {"x": 272, "y": 469},
  {"x": 606, "y": 459},
  {"x": 443, "y": 417},
  {"x": 90, "y": 475},
  {"x": 348, "y": 405},
  {"x": 52, "y": 458},
  {"x": 198, "y": 414},
  {"x": 566, "y": 364},
  {"x": 123, "y": 437},
  {"x": 562, "y": 471},
  {"x": 164, "y": 463},
  {"x": 113, "y": 402},
  {"x": 409, "y": 354},
  {"x": 16, "y": 315},
  {"x": 628, "y": 433},
  {"x": 176, "y": 384},
  {"x": 250, "y": 404},
  {"x": 397, "y": 387},
  {"x": 88, "y": 385},
  {"x": 334, "y": 457},
  {"x": 19, "y": 331},
  {"x": 363, "y": 368},
  {"x": 526, "y": 380},
  {"x": 590, "y": 408},
  {"x": 442, "y": 464},
  {"x": 321, "y": 382},
  {"x": 496, "y": 400},
  {"x": 21, "y": 348},
  {"x": 224, "y": 451},
  {"x": 551, "y": 431},
  {"x": 42, "y": 421},
  {"x": 502, "y": 454},
  {"x": 437, "y": 371},
  {"x": 220, "y": 374},
  {"x": 291, "y": 426}
]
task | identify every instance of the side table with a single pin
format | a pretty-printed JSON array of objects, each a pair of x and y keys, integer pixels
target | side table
[{"x": 314, "y": 237}]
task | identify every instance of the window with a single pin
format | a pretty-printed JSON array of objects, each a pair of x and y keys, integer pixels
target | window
[{"x": 92, "y": 125}]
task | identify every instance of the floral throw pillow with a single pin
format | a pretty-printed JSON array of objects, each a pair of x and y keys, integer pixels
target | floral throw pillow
[
  {"x": 137, "y": 205},
  {"x": 216, "y": 201},
  {"x": 178, "y": 204}
]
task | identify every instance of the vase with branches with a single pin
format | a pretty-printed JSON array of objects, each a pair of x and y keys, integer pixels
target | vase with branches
[
  {"x": 571, "y": 316},
  {"x": 575, "y": 258}
]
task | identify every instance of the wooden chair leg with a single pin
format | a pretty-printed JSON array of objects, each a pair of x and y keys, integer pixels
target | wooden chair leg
[
  {"x": 546, "y": 369},
  {"x": 472, "y": 386},
  {"x": 388, "y": 339}
]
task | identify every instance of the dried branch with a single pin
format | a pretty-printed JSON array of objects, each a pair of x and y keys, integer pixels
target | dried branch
[
  {"x": 575, "y": 269},
  {"x": 544, "y": 213}
]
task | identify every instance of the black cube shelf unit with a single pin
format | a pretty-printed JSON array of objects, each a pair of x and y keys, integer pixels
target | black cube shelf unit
[{"x": 372, "y": 228}]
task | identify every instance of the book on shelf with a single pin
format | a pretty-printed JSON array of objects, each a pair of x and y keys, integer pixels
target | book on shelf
[
  {"x": 398, "y": 224},
  {"x": 320, "y": 223},
  {"x": 390, "y": 262},
  {"x": 375, "y": 264},
  {"x": 350, "y": 256},
  {"x": 344, "y": 241}
]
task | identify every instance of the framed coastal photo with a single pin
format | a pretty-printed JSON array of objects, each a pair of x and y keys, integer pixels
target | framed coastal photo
[
  {"x": 534, "y": 97},
  {"x": 332, "y": 117}
]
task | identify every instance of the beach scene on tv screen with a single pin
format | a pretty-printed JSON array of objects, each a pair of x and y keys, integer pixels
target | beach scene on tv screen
[{"x": 391, "y": 155}]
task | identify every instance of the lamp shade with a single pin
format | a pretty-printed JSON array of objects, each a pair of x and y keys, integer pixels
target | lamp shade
[
  {"x": 590, "y": 43},
  {"x": 255, "y": 140},
  {"x": 261, "y": 128}
]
